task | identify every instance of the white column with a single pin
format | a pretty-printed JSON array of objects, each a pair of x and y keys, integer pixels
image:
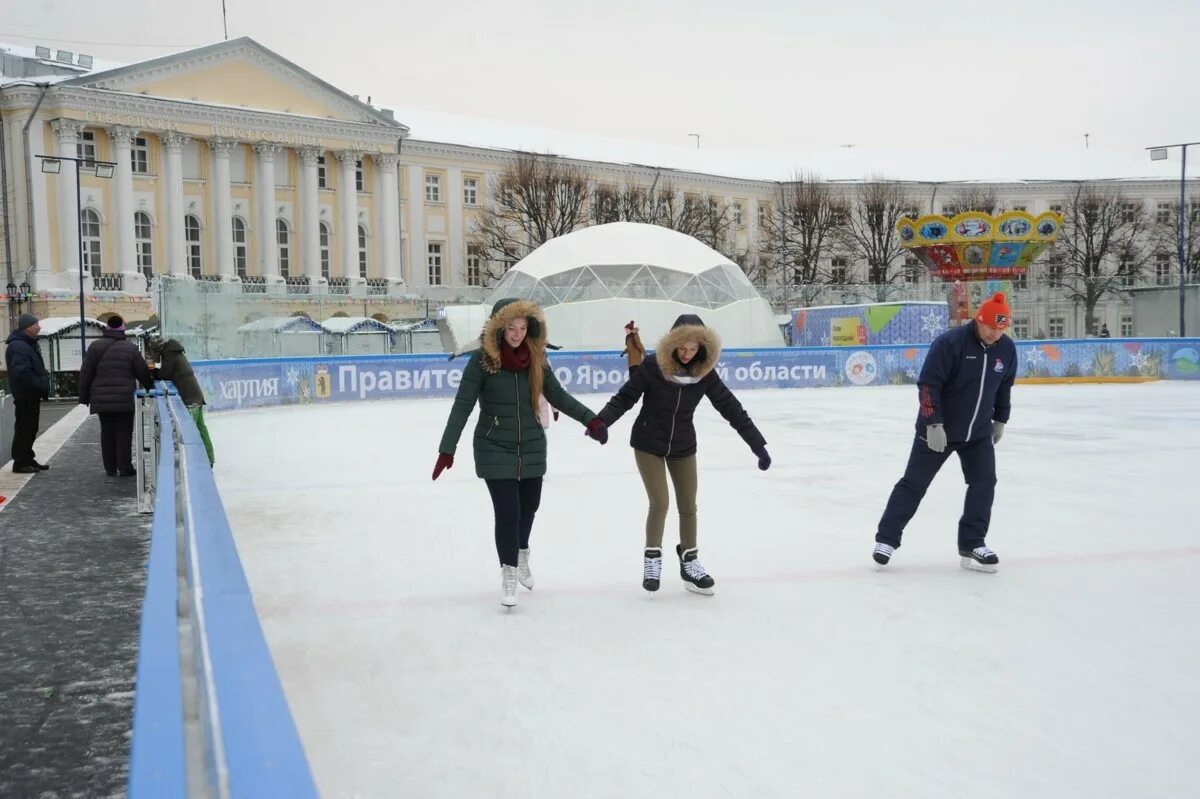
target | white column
[
  {"x": 172, "y": 143},
  {"x": 417, "y": 262},
  {"x": 264, "y": 201},
  {"x": 389, "y": 216},
  {"x": 222, "y": 224},
  {"x": 348, "y": 202},
  {"x": 67, "y": 132},
  {"x": 310, "y": 238},
  {"x": 455, "y": 257},
  {"x": 122, "y": 141},
  {"x": 42, "y": 276}
]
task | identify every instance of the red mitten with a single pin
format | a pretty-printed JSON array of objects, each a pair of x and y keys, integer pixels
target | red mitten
[
  {"x": 598, "y": 430},
  {"x": 444, "y": 462}
]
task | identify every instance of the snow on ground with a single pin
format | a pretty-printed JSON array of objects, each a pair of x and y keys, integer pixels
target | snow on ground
[{"x": 1071, "y": 673}]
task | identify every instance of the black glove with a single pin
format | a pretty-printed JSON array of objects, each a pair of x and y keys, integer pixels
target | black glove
[{"x": 764, "y": 460}]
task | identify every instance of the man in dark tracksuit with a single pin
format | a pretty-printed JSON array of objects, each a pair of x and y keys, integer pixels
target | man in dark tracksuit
[
  {"x": 29, "y": 383},
  {"x": 964, "y": 390}
]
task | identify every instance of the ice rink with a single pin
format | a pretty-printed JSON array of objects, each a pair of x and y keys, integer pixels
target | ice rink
[{"x": 1073, "y": 672}]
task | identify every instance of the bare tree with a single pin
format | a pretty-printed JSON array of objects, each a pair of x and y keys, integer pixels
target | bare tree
[
  {"x": 799, "y": 234},
  {"x": 1166, "y": 235},
  {"x": 535, "y": 199},
  {"x": 701, "y": 216},
  {"x": 1101, "y": 248},
  {"x": 975, "y": 198},
  {"x": 870, "y": 232}
]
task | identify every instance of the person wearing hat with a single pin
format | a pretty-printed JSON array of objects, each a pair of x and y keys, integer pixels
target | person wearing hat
[
  {"x": 29, "y": 384},
  {"x": 111, "y": 372},
  {"x": 172, "y": 365},
  {"x": 964, "y": 391},
  {"x": 670, "y": 383},
  {"x": 507, "y": 377}
]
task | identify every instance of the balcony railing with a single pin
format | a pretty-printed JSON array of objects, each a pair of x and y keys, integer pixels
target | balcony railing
[{"x": 106, "y": 281}]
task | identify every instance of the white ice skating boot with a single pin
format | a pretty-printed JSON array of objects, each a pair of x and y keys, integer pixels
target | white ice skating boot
[
  {"x": 524, "y": 575},
  {"x": 693, "y": 574},
  {"x": 883, "y": 553},
  {"x": 651, "y": 568},
  {"x": 980, "y": 559},
  {"x": 508, "y": 586}
]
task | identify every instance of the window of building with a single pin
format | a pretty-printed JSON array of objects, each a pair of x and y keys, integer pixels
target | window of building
[
  {"x": 838, "y": 270},
  {"x": 191, "y": 236},
  {"x": 764, "y": 210},
  {"x": 1054, "y": 269},
  {"x": 474, "y": 261},
  {"x": 1019, "y": 207},
  {"x": 283, "y": 237},
  {"x": 1162, "y": 269},
  {"x": 507, "y": 198},
  {"x": 142, "y": 231},
  {"x": 323, "y": 243},
  {"x": 360, "y": 180},
  {"x": 1126, "y": 327},
  {"x": 738, "y": 214},
  {"x": 1020, "y": 327},
  {"x": 949, "y": 210},
  {"x": 1125, "y": 271},
  {"x": 362, "y": 252},
  {"x": 239, "y": 246},
  {"x": 140, "y": 156},
  {"x": 1021, "y": 280},
  {"x": 470, "y": 191},
  {"x": 85, "y": 148},
  {"x": 89, "y": 226},
  {"x": 877, "y": 274},
  {"x": 1057, "y": 207},
  {"x": 1057, "y": 326},
  {"x": 322, "y": 173},
  {"x": 434, "y": 262},
  {"x": 912, "y": 270},
  {"x": 433, "y": 189},
  {"x": 1164, "y": 213},
  {"x": 1128, "y": 212}
]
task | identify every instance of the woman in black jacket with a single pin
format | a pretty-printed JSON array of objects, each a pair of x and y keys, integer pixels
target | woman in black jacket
[
  {"x": 670, "y": 383},
  {"x": 111, "y": 372}
]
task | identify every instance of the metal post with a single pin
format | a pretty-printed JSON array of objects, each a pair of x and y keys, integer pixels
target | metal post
[
  {"x": 79, "y": 235},
  {"x": 1183, "y": 253}
]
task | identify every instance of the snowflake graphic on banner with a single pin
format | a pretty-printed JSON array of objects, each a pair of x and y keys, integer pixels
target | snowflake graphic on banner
[
  {"x": 912, "y": 373},
  {"x": 890, "y": 359},
  {"x": 1035, "y": 357},
  {"x": 931, "y": 324},
  {"x": 1139, "y": 360},
  {"x": 293, "y": 376},
  {"x": 825, "y": 339}
]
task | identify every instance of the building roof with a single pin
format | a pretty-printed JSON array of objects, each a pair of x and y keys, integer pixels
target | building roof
[
  {"x": 342, "y": 325},
  {"x": 281, "y": 324}
]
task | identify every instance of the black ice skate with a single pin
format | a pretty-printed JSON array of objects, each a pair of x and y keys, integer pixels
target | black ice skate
[
  {"x": 980, "y": 559},
  {"x": 651, "y": 569},
  {"x": 883, "y": 554},
  {"x": 693, "y": 574}
]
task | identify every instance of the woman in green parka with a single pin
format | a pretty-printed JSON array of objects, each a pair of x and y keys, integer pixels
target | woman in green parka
[{"x": 507, "y": 377}]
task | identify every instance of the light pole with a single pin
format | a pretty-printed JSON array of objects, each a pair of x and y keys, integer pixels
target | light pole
[
  {"x": 52, "y": 165},
  {"x": 1160, "y": 154}
]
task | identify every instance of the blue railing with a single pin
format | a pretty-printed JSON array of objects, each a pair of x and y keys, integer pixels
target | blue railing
[{"x": 248, "y": 744}]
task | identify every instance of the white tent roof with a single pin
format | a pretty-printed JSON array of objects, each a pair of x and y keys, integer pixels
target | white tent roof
[
  {"x": 622, "y": 243},
  {"x": 278, "y": 324},
  {"x": 355, "y": 324},
  {"x": 53, "y": 325}
]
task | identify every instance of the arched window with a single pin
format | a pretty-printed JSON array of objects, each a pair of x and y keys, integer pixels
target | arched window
[
  {"x": 239, "y": 246},
  {"x": 362, "y": 252},
  {"x": 283, "y": 235},
  {"x": 191, "y": 230},
  {"x": 142, "y": 230},
  {"x": 323, "y": 237},
  {"x": 89, "y": 225}
]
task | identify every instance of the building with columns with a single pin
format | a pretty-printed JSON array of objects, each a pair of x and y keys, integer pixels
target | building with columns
[{"x": 237, "y": 167}]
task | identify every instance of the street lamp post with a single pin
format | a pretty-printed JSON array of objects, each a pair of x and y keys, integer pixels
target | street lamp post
[
  {"x": 1160, "y": 154},
  {"x": 52, "y": 165}
]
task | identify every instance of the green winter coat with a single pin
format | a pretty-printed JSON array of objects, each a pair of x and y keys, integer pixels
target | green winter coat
[{"x": 509, "y": 442}]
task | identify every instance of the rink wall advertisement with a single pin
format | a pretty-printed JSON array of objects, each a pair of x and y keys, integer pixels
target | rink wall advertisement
[{"x": 263, "y": 382}]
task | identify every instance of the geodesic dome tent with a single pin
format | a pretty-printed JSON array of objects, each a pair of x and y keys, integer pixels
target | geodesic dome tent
[{"x": 591, "y": 282}]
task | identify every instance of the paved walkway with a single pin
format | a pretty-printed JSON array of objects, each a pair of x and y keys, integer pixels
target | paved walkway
[{"x": 72, "y": 575}]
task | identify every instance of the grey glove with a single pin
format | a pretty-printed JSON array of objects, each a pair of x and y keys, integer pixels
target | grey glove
[
  {"x": 997, "y": 432},
  {"x": 935, "y": 437}
]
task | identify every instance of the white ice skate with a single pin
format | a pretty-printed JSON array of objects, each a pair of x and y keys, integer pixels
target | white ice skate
[
  {"x": 883, "y": 554},
  {"x": 980, "y": 559},
  {"x": 524, "y": 575},
  {"x": 508, "y": 586}
]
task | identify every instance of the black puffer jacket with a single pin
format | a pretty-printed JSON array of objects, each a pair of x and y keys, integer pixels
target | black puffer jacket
[
  {"x": 173, "y": 365},
  {"x": 669, "y": 400},
  {"x": 111, "y": 371},
  {"x": 27, "y": 376}
]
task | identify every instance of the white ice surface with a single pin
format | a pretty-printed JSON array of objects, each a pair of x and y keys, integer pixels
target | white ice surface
[{"x": 1071, "y": 673}]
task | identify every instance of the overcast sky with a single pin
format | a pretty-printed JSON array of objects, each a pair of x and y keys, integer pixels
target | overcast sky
[{"x": 769, "y": 74}]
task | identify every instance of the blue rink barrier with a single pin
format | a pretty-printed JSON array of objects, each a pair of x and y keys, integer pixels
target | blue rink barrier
[
  {"x": 265, "y": 382},
  {"x": 210, "y": 716}
]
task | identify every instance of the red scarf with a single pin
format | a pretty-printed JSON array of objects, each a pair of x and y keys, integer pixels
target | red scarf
[{"x": 514, "y": 360}]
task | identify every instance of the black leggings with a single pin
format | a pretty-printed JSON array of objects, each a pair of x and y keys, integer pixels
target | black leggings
[{"x": 515, "y": 503}]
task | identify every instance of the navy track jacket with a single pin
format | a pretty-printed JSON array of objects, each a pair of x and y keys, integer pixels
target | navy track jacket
[{"x": 964, "y": 385}]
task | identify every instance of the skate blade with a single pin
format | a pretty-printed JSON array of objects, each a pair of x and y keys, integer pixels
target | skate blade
[
  {"x": 695, "y": 589},
  {"x": 970, "y": 564},
  {"x": 528, "y": 585},
  {"x": 509, "y": 602}
]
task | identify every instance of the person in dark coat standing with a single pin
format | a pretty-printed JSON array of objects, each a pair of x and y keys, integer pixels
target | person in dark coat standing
[
  {"x": 964, "y": 390},
  {"x": 29, "y": 384},
  {"x": 172, "y": 365},
  {"x": 111, "y": 372},
  {"x": 507, "y": 377},
  {"x": 670, "y": 384}
]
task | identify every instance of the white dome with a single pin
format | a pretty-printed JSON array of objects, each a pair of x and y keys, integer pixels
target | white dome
[{"x": 626, "y": 260}]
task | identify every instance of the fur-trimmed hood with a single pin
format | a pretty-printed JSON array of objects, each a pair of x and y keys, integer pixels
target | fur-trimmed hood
[
  {"x": 504, "y": 312},
  {"x": 688, "y": 327}
]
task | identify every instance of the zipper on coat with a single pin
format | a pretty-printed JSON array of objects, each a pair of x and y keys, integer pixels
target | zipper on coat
[
  {"x": 495, "y": 424},
  {"x": 979, "y": 399},
  {"x": 671, "y": 440},
  {"x": 517, "y": 386}
]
